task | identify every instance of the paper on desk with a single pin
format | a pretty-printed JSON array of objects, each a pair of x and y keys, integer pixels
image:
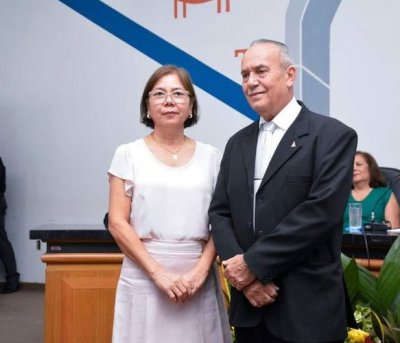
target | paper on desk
[{"x": 393, "y": 230}]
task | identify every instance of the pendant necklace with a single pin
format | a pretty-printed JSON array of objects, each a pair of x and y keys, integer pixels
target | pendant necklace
[{"x": 173, "y": 153}]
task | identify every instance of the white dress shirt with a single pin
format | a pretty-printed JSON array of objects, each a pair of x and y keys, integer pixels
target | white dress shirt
[{"x": 281, "y": 122}]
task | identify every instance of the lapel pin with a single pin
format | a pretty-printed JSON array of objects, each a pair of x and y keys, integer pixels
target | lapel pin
[{"x": 293, "y": 144}]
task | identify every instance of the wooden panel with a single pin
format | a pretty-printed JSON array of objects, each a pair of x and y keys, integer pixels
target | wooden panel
[
  {"x": 88, "y": 306},
  {"x": 79, "y": 297},
  {"x": 76, "y": 258}
]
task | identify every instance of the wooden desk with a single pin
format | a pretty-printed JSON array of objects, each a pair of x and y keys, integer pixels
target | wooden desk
[
  {"x": 82, "y": 268},
  {"x": 369, "y": 249},
  {"x": 82, "y": 271}
]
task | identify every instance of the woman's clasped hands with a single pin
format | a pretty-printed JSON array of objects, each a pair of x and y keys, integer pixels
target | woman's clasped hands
[{"x": 179, "y": 288}]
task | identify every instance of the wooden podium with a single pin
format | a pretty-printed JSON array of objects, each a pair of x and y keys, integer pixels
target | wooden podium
[
  {"x": 80, "y": 284},
  {"x": 83, "y": 265}
]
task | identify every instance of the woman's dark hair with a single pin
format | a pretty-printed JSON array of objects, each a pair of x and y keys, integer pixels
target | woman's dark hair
[
  {"x": 186, "y": 81},
  {"x": 376, "y": 178}
]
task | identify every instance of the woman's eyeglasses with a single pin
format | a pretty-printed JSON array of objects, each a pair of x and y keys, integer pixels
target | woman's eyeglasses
[{"x": 177, "y": 96}]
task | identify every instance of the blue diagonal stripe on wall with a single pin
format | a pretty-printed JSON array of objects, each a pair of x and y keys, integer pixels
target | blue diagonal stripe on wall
[{"x": 163, "y": 52}]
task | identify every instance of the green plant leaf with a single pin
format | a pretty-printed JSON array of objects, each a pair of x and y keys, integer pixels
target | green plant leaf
[
  {"x": 345, "y": 260},
  {"x": 388, "y": 284},
  {"x": 392, "y": 332},
  {"x": 395, "y": 309},
  {"x": 378, "y": 326},
  {"x": 394, "y": 251},
  {"x": 367, "y": 287},
  {"x": 382, "y": 294},
  {"x": 350, "y": 272},
  {"x": 360, "y": 283}
]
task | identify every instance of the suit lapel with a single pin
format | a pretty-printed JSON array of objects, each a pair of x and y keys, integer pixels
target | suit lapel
[
  {"x": 250, "y": 147},
  {"x": 288, "y": 146}
]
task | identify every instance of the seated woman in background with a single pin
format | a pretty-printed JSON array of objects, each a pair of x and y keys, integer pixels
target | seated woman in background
[{"x": 379, "y": 204}]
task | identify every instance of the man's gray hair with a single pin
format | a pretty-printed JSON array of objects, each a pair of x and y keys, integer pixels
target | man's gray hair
[{"x": 286, "y": 59}]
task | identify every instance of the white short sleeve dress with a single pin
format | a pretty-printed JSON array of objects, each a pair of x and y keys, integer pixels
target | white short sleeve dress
[{"x": 169, "y": 213}]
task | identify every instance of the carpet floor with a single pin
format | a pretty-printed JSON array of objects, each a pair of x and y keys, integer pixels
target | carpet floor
[{"x": 22, "y": 315}]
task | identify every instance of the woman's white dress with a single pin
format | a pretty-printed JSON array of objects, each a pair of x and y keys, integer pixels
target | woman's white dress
[{"x": 169, "y": 213}]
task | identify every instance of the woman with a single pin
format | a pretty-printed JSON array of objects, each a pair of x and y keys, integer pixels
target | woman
[
  {"x": 379, "y": 204},
  {"x": 160, "y": 190}
]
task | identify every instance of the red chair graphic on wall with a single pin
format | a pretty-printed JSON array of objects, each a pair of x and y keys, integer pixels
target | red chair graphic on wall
[{"x": 198, "y": 2}]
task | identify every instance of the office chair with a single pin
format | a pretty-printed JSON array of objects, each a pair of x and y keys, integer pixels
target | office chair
[{"x": 392, "y": 175}]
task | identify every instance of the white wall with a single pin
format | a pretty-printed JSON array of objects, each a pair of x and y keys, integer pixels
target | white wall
[
  {"x": 69, "y": 94},
  {"x": 365, "y": 75}
]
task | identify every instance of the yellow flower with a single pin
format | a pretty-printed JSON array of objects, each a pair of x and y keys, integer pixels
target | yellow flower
[{"x": 357, "y": 336}]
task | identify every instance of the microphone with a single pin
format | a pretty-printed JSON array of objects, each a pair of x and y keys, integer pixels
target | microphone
[{"x": 376, "y": 226}]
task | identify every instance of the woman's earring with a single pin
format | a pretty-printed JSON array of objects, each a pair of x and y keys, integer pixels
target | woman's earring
[
  {"x": 148, "y": 115},
  {"x": 190, "y": 115}
]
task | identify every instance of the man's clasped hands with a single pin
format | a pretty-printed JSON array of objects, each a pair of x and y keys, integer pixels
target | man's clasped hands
[{"x": 239, "y": 275}]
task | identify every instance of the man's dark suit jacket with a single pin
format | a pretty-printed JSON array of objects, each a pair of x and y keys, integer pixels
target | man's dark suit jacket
[
  {"x": 298, "y": 225},
  {"x": 3, "y": 205}
]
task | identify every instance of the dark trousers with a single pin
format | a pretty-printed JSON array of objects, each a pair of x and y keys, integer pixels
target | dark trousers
[
  {"x": 260, "y": 334},
  {"x": 6, "y": 251}
]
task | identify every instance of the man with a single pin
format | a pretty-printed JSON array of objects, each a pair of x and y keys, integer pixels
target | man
[
  {"x": 280, "y": 237},
  {"x": 6, "y": 250}
]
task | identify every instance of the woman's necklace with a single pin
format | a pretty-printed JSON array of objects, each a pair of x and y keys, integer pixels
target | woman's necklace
[{"x": 173, "y": 153}]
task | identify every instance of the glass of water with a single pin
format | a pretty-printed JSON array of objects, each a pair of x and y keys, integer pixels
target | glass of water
[{"x": 355, "y": 215}]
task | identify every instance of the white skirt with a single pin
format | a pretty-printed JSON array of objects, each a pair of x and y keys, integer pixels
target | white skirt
[{"x": 144, "y": 314}]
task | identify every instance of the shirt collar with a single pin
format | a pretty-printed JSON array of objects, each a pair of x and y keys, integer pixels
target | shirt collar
[{"x": 286, "y": 117}]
